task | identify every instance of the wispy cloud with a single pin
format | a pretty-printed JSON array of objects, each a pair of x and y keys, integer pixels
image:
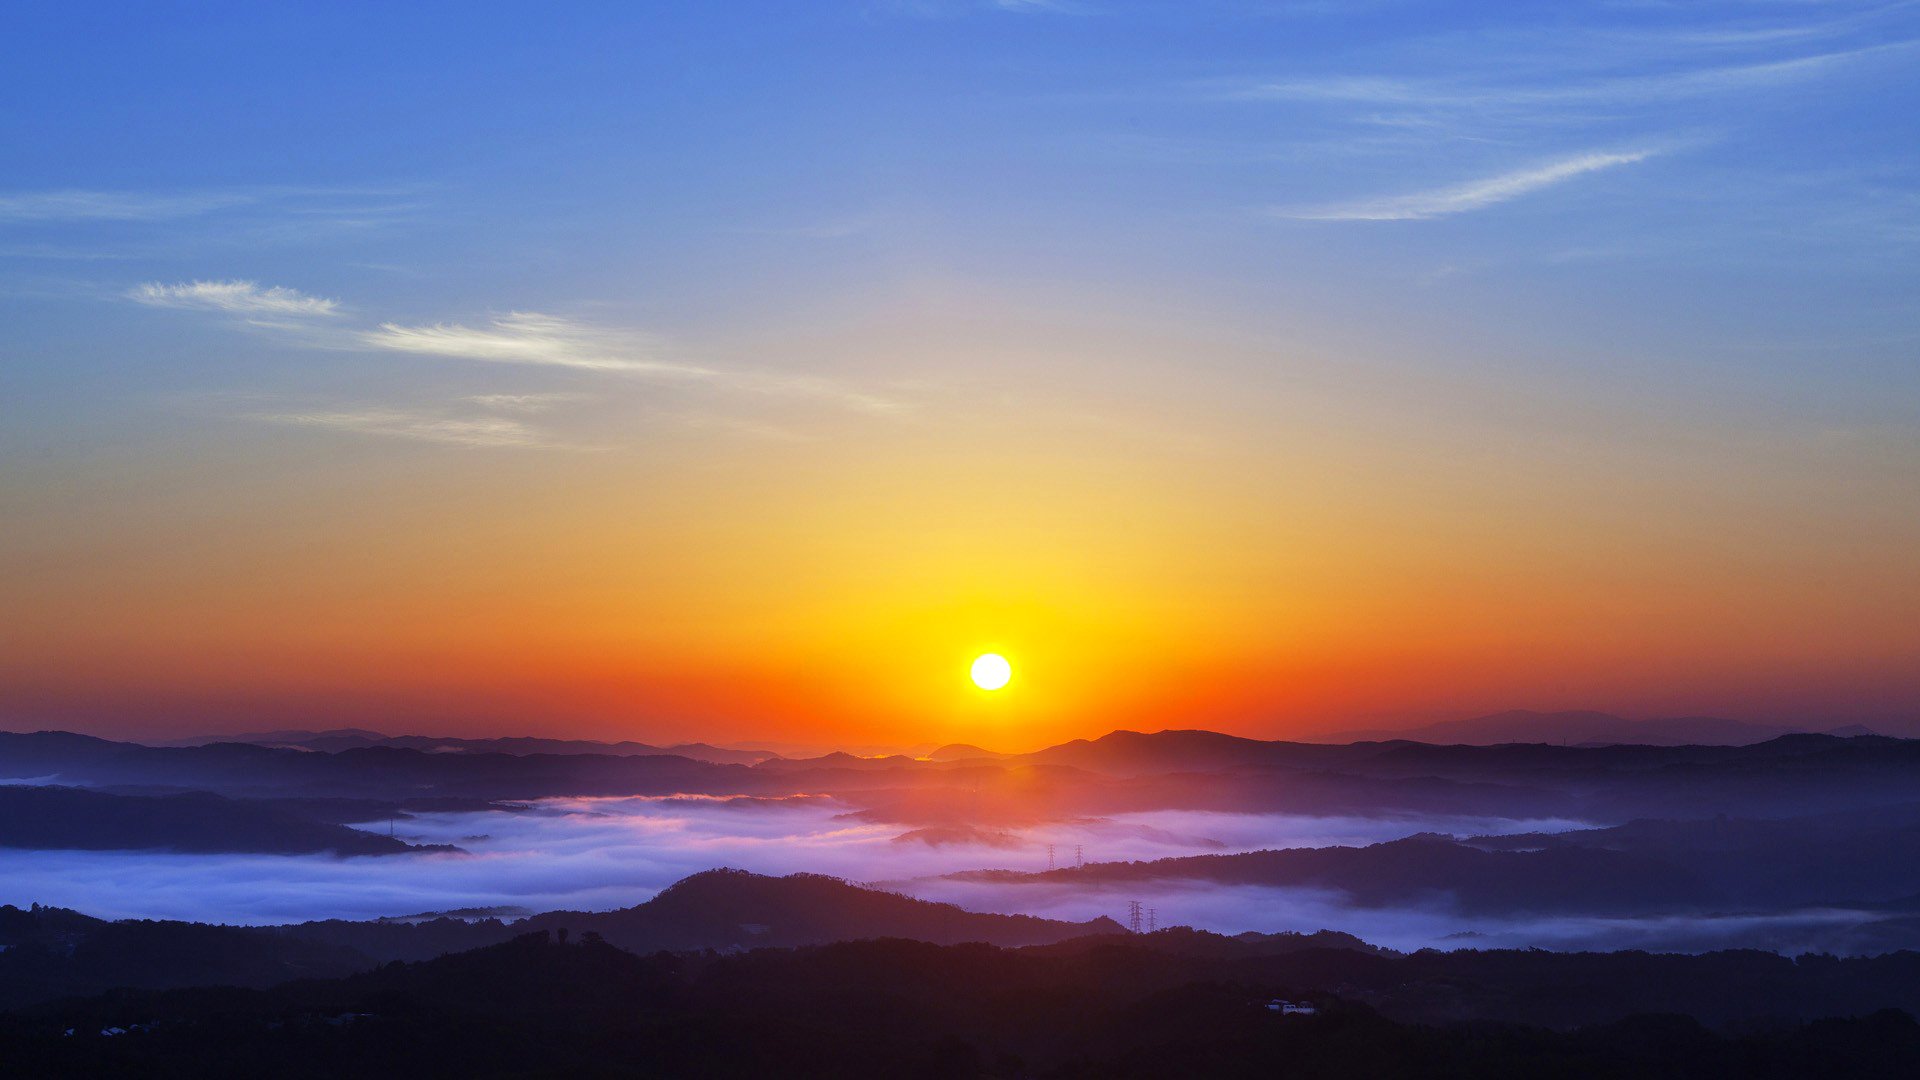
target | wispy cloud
[
  {"x": 80, "y": 205},
  {"x": 523, "y": 403},
  {"x": 539, "y": 339},
  {"x": 419, "y": 426},
  {"x": 1638, "y": 88},
  {"x": 526, "y": 337},
  {"x": 1472, "y": 195},
  {"x": 1036, "y": 7},
  {"x": 932, "y": 9},
  {"x": 235, "y": 297}
]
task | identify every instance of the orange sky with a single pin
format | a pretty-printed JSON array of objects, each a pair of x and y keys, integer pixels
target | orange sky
[
  {"x": 1189, "y": 562},
  {"x": 690, "y": 372}
]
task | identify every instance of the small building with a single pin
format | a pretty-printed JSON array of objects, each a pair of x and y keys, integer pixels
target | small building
[{"x": 1291, "y": 1008}]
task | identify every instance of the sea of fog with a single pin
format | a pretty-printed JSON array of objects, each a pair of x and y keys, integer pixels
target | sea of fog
[{"x": 597, "y": 854}]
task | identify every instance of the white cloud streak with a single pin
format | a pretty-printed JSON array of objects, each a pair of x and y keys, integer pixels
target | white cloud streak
[
  {"x": 555, "y": 341},
  {"x": 534, "y": 338},
  {"x": 78, "y": 205},
  {"x": 523, "y": 403},
  {"x": 486, "y": 431},
  {"x": 1636, "y": 89},
  {"x": 526, "y": 338},
  {"x": 1472, "y": 195},
  {"x": 235, "y": 297}
]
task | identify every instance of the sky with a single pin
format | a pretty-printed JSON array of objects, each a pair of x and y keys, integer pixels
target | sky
[{"x": 741, "y": 372}]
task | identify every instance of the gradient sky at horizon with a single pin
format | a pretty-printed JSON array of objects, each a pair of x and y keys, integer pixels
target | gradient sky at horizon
[{"x": 741, "y": 371}]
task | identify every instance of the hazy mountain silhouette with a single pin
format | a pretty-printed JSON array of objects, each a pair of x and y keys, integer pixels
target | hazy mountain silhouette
[
  {"x": 354, "y": 738},
  {"x": 62, "y": 817},
  {"x": 1424, "y": 870},
  {"x": 1575, "y": 729},
  {"x": 1120, "y": 772}
]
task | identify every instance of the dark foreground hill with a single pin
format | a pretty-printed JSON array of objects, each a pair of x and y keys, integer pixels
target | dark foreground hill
[
  {"x": 51, "y": 952},
  {"x": 536, "y": 1007}
]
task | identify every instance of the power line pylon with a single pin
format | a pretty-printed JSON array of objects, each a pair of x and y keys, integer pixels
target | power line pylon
[
  {"x": 1049, "y": 856},
  {"x": 1153, "y": 920},
  {"x": 1133, "y": 915}
]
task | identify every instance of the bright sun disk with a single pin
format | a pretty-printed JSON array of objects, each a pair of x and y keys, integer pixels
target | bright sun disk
[{"x": 991, "y": 672}]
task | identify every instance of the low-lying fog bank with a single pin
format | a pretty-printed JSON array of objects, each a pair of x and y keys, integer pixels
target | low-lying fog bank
[
  {"x": 599, "y": 854},
  {"x": 607, "y": 853}
]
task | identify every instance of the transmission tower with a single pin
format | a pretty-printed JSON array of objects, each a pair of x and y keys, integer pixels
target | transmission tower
[
  {"x": 1133, "y": 915},
  {"x": 1078, "y": 861},
  {"x": 1153, "y": 920},
  {"x": 1049, "y": 856}
]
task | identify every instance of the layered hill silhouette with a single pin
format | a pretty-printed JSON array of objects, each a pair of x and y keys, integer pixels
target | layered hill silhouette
[
  {"x": 48, "y": 952},
  {"x": 1118, "y": 1008},
  {"x": 1860, "y": 868},
  {"x": 1421, "y": 871},
  {"x": 71, "y": 818},
  {"x": 1582, "y": 728},
  {"x": 1120, "y": 772},
  {"x": 356, "y": 738}
]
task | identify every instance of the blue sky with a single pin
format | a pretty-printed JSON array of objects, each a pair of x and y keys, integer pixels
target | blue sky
[
  {"x": 1610, "y": 261},
  {"x": 1736, "y": 180}
]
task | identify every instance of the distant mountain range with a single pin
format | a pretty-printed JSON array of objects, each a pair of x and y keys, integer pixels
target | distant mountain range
[
  {"x": 1515, "y": 726},
  {"x": 1121, "y": 772},
  {"x": 354, "y": 738},
  {"x": 78, "y": 819},
  {"x": 1584, "y": 729}
]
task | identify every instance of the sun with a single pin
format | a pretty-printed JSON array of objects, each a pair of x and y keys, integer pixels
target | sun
[{"x": 991, "y": 671}]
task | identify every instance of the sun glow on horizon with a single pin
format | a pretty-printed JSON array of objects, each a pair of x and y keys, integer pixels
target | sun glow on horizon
[{"x": 991, "y": 671}]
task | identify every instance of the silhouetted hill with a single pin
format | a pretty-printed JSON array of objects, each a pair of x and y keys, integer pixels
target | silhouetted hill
[
  {"x": 356, "y": 738},
  {"x": 532, "y": 1006},
  {"x": 961, "y": 752},
  {"x": 1574, "y": 729},
  {"x": 61, "y": 817},
  {"x": 722, "y": 910},
  {"x": 1846, "y": 858},
  {"x": 1420, "y": 870},
  {"x": 48, "y": 953},
  {"x": 1119, "y": 773}
]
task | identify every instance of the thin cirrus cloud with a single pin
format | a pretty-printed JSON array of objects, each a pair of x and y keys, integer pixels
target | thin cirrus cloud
[
  {"x": 81, "y": 205},
  {"x": 234, "y": 297},
  {"x": 554, "y": 341},
  {"x": 533, "y": 338},
  {"x": 418, "y": 426},
  {"x": 520, "y": 338},
  {"x": 1468, "y": 196},
  {"x": 523, "y": 403},
  {"x": 1625, "y": 89}
]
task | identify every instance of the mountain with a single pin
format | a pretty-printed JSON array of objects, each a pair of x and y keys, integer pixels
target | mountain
[
  {"x": 72, "y": 818},
  {"x": 1417, "y": 872},
  {"x": 722, "y": 909},
  {"x": 1122, "y": 772},
  {"x": 355, "y": 738},
  {"x": 47, "y": 952},
  {"x": 1575, "y": 729},
  {"x": 961, "y": 752},
  {"x": 1122, "y": 1008},
  {"x": 1844, "y": 859}
]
